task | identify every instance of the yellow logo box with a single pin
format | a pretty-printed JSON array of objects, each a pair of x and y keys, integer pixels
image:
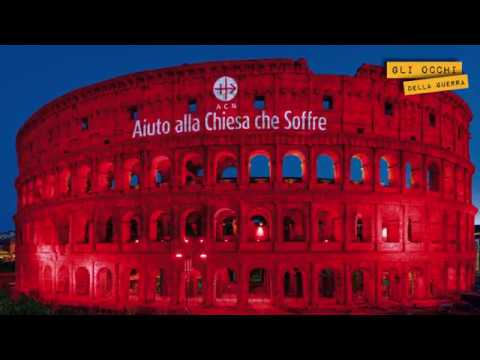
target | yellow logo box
[
  {"x": 422, "y": 69},
  {"x": 444, "y": 83}
]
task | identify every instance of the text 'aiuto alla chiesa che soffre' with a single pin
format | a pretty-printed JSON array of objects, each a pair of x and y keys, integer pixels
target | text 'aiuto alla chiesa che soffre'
[{"x": 246, "y": 183}]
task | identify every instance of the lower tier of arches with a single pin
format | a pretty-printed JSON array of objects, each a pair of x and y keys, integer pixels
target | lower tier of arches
[{"x": 250, "y": 280}]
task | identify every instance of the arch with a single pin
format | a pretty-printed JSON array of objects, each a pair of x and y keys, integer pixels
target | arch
[
  {"x": 161, "y": 170},
  {"x": 47, "y": 280},
  {"x": 106, "y": 176},
  {"x": 226, "y": 286},
  {"x": 161, "y": 226},
  {"x": 325, "y": 169},
  {"x": 133, "y": 283},
  {"x": 86, "y": 179},
  {"x": 433, "y": 178},
  {"x": 385, "y": 175},
  {"x": 391, "y": 285},
  {"x": 131, "y": 228},
  {"x": 66, "y": 182},
  {"x": 415, "y": 284},
  {"x": 133, "y": 170},
  {"x": 226, "y": 225},
  {"x": 161, "y": 289},
  {"x": 410, "y": 236},
  {"x": 359, "y": 229},
  {"x": 357, "y": 171},
  {"x": 63, "y": 283},
  {"x": 326, "y": 284},
  {"x": 87, "y": 231},
  {"x": 226, "y": 168},
  {"x": 104, "y": 283},
  {"x": 82, "y": 282},
  {"x": 63, "y": 230},
  {"x": 193, "y": 170},
  {"x": 259, "y": 226},
  {"x": 195, "y": 286},
  {"x": 359, "y": 288},
  {"x": 293, "y": 284},
  {"x": 50, "y": 190},
  {"x": 194, "y": 224},
  {"x": 109, "y": 231},
  {"x": 293, "y": 167},
  {"x": 259, "y": 168},
  {"x": 293, "y": 225},
  {"x": 408, "y": 175},
  {"x": 259, "y": 283}
]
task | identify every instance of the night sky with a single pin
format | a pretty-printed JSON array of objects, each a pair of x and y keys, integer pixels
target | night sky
[{"x": 31, "y": 76}]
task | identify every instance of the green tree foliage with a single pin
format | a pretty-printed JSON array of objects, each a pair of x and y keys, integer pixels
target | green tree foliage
[{"x": 24, "y": 305}]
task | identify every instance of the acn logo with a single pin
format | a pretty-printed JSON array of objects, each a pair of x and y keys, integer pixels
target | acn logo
[{"x": 225, "y": 88}]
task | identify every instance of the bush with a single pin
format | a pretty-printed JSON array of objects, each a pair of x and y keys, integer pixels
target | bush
[
  {"x": 7, "y": 266},
  {"x": 24, "y": 305}
]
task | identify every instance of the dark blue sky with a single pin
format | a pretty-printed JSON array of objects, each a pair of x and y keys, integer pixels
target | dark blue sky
[{"x": 30, "y": 76}]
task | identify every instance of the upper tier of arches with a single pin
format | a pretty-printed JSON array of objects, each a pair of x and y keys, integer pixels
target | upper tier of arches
[{"x": 365, "y": 105}]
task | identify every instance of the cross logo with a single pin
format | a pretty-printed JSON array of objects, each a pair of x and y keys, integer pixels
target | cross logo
[{"x": 225, "y": 88}]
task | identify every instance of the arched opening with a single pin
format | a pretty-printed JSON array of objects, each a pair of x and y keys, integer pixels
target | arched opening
[
  {"x": 292, "y": 168},
  {"x": 161, "y": 170},
  {"x": 226, "y": 286},
  {"x": 133, "y": 283},
  {"x": 193, "y": 170},
  {"x": 293, "y": 226},
  {"x": 359, "y": 294},
  {"x": 82, "y": 282},
  {"x": 226, "y": 226},
  {"x": 327, "y": 284},
  {"x": 131, "y": 228},
  {"x": 104, "y": 283},
  {"x": 325, "y": 227},
  {"x": 384, "y": 172},
  {"x": 259, "y": 284},
  {"x": 433, "y": 178},
  {"x": 63, "y": 231},
  {"x": 408, "y": 176},
  {"x": 410, "y": 237},
  {"x": 293, "y": 284},
  {"x": 63, "y": 284},
  {"x": 226, "y": 169},
  {"x": 359, "y": 229},
  {"x": 161, "y": 284},
  {"x": 325, "y": 169},
  {"x": 357, "y": 175},
  {"x": 259, "y": 169},
  {"x": 47, "y": 280},
  {"x": 194, "y": 225},
  {"x": 161, "y": 228},
  {"x": 108, "y": 238},
  {"x": 195, "y": 287},
  {"x": 66, "y": 182},
  {"x": 259, "y": 228},
  {"x": 391, "y": 289},
  {"x": 134, "y": 181},
  {"x": 133, "y": 231},
  {"x": 415, "y": 284},
  {"x": 106, "y": 177},
  {"x": 87, "y": 232}
]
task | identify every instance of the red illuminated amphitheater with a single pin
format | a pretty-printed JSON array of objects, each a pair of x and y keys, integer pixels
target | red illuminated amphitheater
[{"x": 173, "y": 187}]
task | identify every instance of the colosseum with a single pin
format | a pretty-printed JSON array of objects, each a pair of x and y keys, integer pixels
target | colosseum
[{"x": 244, "y": 185}]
